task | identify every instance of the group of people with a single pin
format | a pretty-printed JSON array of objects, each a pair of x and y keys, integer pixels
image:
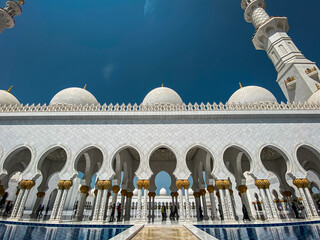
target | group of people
[
  {"x": 113, "y": 211},
  {"x": 173, "y": 212}
]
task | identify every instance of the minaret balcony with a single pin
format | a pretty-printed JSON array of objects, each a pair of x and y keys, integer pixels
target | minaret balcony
[
  {"x": 313, "y": 73},
  {"x": 290, "y": 82},
  {"x": 267, "y": 29}
]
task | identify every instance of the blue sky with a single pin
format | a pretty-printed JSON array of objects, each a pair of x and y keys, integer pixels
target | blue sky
[{"x": 122, "y": 50}]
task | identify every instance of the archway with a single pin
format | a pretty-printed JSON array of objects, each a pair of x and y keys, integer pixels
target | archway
[
  {"x": 87, "y": 164},
  {"x": 163, "y": 160},
  {"x": 51, "y": 162},
  {"x": 200, "y": 163},
  {"x": 125, "y": 163},
  {"x": 238, "y": 162},
  {"x": 14, "y": 165}
]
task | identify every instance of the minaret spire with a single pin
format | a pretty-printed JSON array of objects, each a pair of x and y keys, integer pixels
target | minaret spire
[
  {"x": 296, "y": 74},
  {"x": 7, "y": 14}
]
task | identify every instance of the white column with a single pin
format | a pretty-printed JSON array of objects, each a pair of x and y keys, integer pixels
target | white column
[
  {"x": 94, "y": 203},
  {"x": 266, "y": 204},
  {"x": 272, "y": 205},
  {"x": 82, "y": 202},
  {"x": 104, "y": 196},
  {"x": 97, "y": 205},
  {"x": 311, "y": 202},
  {"x": 229, "y": 205},
  {"x": 17, "y": 204},
  {"x": 23, "y": 203},
  {"x": 188, "y": 218},
  {"x": 305, "y": 203},
  {"x": 61, "y": 206},
  {"x": 223, "y": 204},
  {"x": 149, "y": 214},
  {"x": 123, "y": 195},
  {"x": 56, "y": 205},
  {"x": 153, "y": 206},
  {"x": 181, "y": 205},
  {"x": 139, "y": 205},
  {"x": 204, "y": 204},
  {"x": 144, "y": 214},
  {"x": 106, "y": 208}
]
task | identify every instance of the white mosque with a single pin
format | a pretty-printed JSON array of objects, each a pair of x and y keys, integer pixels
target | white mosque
[{"x": 251, "y": 152}]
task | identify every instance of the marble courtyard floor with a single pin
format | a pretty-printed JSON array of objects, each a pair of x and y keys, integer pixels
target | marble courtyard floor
[{"x": 169, "y": 233}]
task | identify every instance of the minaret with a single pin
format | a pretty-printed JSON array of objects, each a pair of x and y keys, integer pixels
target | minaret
[
  {"x": 7, "y": 14},
  {"x": 297, "y": 76}
]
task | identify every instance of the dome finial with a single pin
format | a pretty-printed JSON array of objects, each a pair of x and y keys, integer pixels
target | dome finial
[
  {"x": 85, "y": 87},
  {"x": 10, "y": 88},
  {"x": 240, "y": 84},
  {"x": 162, "y": 85},
  {"x": 318, "y": 87}
]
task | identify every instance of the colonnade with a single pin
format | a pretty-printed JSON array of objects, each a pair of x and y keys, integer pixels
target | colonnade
[{"x": 223, "y": 198}]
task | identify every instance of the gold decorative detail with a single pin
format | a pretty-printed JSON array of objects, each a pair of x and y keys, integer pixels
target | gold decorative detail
[
  {"x": 203, "y": 192},
  {"x": 140, "y": 184},
  {"x": 146, "y": 184},
  {"x": 262, "y": 183},
  {"x": 27, "y": 184},
  {"x": 210, "y": 189},
  {"x": 123, "y": 192},
  {"x": 115, "y": 189},
  {"x": 172, "y": 194},
  {"x": 129, "y": 194},
  {"x": 84, "y": 189},
  {"x": 67, "y": 184},
  {"x": 10, "y": 88},
  {"x": 85, "y": 87},
  {"x": 317, "y": 85},
  {"x": 283, "y": 200},
  {"x": 22, "y": 184},
  {"x": 301, "y": 182},
  {"x": 179, "y": 184},
  {"x": 61, "y": 184},
  {"x": 308, "y": 70},
  {"x": 186, "y": 184},
  {"x": 107, "y": 184},
  {"x": 223, "y": 184},
  {"x": 41, "y": 194},
  {"x": 240, "y": 84},
  {"x": 289, "y": 79},
  {"x": 242, "y": 189},
  {"x": 21, "y": 2},
  {"x": 287, "y": 193},
  {"x": 196, "y": 194}
]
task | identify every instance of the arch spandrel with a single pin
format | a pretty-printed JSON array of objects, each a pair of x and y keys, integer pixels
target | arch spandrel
[{"x": 299, "y": 168}]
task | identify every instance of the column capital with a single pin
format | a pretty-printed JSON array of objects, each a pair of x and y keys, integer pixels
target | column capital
[
  {"x": 140, "y": 184},
  {"x": 84, "y": 189},
  {"x": 61, "y": 184},
  {"x": 301, "y": 182},
  {"x": 203, "y": 192},
  {"x": 146, "y": 184},
  {"x": 223, "y": 184},
  {"x": 210, "y": 188},
  {"x": 41, "y": 194},
  {"x": 123, "y": 192},
  {"x": 115, "y": 189},
  {"x": 242, "y": 189},
  {"x": 196, "y": 194},
  {"x": 262, "y": 183},
  {"x": 179, "y": 184},
  {"x": 67, "y": 184},
  {"x": 287, "y": 193},
  {"x": 129, "y": 194},
  {"x": 27, "y": 184},
  {"x": 186, "y": 184}
]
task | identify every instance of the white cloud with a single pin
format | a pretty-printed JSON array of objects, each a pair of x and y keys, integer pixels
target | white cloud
[{"x": 107, "y": 71}]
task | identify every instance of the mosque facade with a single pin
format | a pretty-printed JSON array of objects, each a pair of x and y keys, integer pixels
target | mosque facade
[{"x": 251, "y": 152}]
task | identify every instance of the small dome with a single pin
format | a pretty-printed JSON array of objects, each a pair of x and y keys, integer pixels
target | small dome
[
  {"x": 163, "y": 192},
  {"x": 135, "y": 192},
  {"x": 315, "y": 98},
  {"x": 162, "y": 95},
  {"x": 252, "y": 94},
  {"x": 74, "y": 96},
  {"x": 190, "y": 191},
  {"x": 6, "y": 98}
]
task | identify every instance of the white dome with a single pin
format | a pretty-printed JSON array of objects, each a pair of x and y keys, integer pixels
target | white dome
[
  {"x": 190, "y": 191},
  {"x": 163, "y": 192},
  {"x": 7, "y": 98},
  {"x": 252, "y": 94},
  {"x": 135, "y": 192},
  {"x": 315, "y": 98},
  {"x": 74, "y": 96},
  {"x": 162, "y": 95}
]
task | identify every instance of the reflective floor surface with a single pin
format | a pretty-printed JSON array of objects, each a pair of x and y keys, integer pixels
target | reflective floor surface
[
  {"x": 171, "y": 233},
  {"x": 30, "y": 232},
  {"x": 290, "y": 232}
]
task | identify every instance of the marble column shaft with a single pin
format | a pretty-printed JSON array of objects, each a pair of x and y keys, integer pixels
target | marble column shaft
[
  {"x": 17, "y": 203},
  {"x": 56, "y": 205},
  {"x": 97, "y": 205},
  {"x": 229, "y": 205},
  {"x": 311, "y": 202},
  {"x": 139, "y": 205}
]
